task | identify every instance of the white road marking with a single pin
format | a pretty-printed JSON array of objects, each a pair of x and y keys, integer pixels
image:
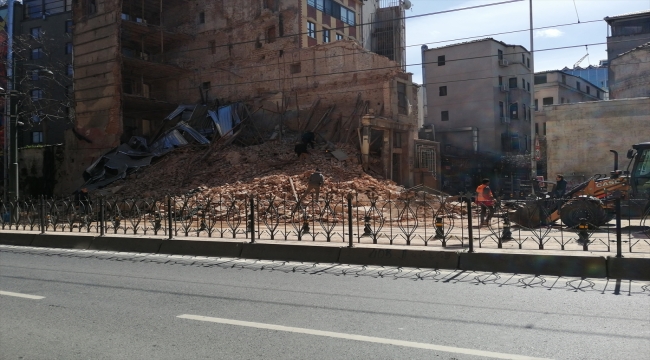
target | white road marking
[
  {"x": 371, "y": 339},
  {"x": 26, "y": 296}
]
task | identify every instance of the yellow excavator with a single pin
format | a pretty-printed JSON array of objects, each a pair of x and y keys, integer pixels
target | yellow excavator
[{"x": 593, "y": 201}]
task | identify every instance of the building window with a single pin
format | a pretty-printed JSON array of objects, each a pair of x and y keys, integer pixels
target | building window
[
  {"x": 339, "y": 36},
  {"x": 68, "y": 90},
  {"x": 512, "y": 83},
  {"x": 295, "y": 68},
  {"x": 523, "y": 59},
  {"x": 578, "y": 85},
  {"x": 444, "y": 115},
  {"x": 501, "y": 110},
  {"x": 588, "y": 90},
  {"x": 35, "y": 32},
  {"x": 500, "y": 54},
  {"x": 536, "y": 105},
  {"x": 514, "y": 111},
  {"x": 563, "y": 79},
  {"x": 536, "y": 129},
  {"x": 68, "y": 48},
  {"x": 213, "y": 47},
  {"x": 528, "y": 86},
  {"x": 598, "y": 93},
  {"x": 92, "y": 7},
  {"x": 68, "y": 26},
  {"x": 541, "y": 79},
  {"x": 523, "y": 84},
  {"x": 37, "y": 137},
  {"x": 311, "y": 29},
  {"x": 523, "y": 108},
  {"x": 202, "y": 17},
  {"x": 36, "y": 75},
  {"x": 206, "y": 85},
  {"x": 443, "y": 90},
  {"x": 311, "y": 3},
  {"x": 270, "y": 34},
  {"x": 69, "y": 70},
  {"x": 397, "y": 140},
  {"x": 528, "y": 63},
  {"x": 326, "y": 36},
  {"x": 441, "y": 60},
  {"x": 37, "y": 53},
  {"x": 401, "y": 98},
  {"x": 500, "y": 81},
  {"x": 547, "y": 101},
  {"x": 36, "y": 94},
  {"x": 544, "y": 128}
]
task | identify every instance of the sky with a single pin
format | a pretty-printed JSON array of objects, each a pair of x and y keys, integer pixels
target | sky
[{"x": 466, "y": 25}]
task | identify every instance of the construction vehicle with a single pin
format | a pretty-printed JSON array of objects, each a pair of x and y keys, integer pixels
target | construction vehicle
[{"x": 593, "y": 201}]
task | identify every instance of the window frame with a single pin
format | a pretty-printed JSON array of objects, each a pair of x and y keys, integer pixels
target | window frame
[
  {"x": 326, "y": 35},
  {"x": 311, "y": 29},
  {"x": 442, "y": 90},
  {"x": 39, "y": 135},
  {"x": 36, "y": 53},
  {"x": 444, "y": 115},
  {"x": 36, "y": 32},
  {"x": 442, "y": 60}
]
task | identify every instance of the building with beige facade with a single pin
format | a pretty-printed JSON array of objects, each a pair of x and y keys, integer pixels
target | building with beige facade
[
  {"x": 138, "y": 60},
  {"x": 478, "y": 96}
]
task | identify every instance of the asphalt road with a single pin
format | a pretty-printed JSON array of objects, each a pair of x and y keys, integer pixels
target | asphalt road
[{"x": 107, "y": 305}]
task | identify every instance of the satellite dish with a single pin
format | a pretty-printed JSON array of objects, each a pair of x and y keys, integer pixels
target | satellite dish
[{"x": 407, "y": 4}]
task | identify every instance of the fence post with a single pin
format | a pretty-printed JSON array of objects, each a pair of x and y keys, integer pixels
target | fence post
[
  {"x": 102, "y": 226},
  {"x": 42, "y": 215},
  {"x": 619, "y": 245},
  {"x": 469, "y": 224},
  {"x": 252, "y": 205},
  {"x": 350, "y": 241},
  {"x": 169, "y": 217}
]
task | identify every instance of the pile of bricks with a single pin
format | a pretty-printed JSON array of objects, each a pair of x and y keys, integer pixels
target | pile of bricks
[{"x": 261, "y": 169}]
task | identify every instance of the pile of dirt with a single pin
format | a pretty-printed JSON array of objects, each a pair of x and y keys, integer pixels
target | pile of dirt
[{"x": 261, "y": 169}]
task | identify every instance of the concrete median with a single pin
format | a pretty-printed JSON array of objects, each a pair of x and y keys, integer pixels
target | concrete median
[
  {"x": 62, "y": 241},
  {"x": 202, "y": 248},
  {"x": 16, "y": 239},
  {"x": 628, "y": 269},
  {"x": 558, "y": 265},
  {"x": 140, "y": 245},
  {"x": 287, "y": 252},
  {"x": 400, "y": 257}
]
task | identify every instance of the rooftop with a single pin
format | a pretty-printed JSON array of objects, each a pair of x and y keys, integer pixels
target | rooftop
[
  {"x": 640, "y": 47},
  {"x": 477, "y": 41},
  {"x": 628, "y": 15}
]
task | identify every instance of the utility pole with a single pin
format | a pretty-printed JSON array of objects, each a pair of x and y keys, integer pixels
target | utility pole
[{"x": 533, "y": 162}]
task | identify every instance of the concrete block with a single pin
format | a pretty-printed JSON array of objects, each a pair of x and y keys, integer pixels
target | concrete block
[
  {"x": 558, "y": 265},
  {"x": 400, "y": 258},
  {"x": 202, "y": 248},
  {"x": 10, "y": 238},
  {"x": 62, "y": 241},
  {"x": 628, "y": 268},
  {"x": 144, "y": 245},
  {"x": 286, "y": 252}
]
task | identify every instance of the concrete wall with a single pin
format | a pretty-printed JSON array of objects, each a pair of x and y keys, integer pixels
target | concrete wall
[
  {"x": 579, "y": 136},
  {"x": 471, "y": 74},
  {"x": 630, "y": 74}
]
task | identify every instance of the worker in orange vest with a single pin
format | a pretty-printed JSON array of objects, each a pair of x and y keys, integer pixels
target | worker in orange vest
[{"x": 485, "y": 200}]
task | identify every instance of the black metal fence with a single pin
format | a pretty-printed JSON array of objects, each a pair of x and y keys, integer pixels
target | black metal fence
[{"x": 416, "y": 219}]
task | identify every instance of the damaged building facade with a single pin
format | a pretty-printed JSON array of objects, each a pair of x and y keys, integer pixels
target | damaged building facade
[{"x": 137, "y": 61}]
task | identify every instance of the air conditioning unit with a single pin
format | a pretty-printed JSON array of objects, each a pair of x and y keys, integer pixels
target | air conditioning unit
[
  {"x": 503, "y": 62},
  {"x": 505, "y": 120},
  {"x": 505, "y": 88}
]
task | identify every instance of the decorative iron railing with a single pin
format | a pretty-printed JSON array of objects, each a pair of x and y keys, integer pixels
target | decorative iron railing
[{"x": 409, "y": 218}]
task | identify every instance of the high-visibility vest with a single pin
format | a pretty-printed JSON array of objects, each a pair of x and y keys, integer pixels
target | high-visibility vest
[{"x": 481, "y": 196}]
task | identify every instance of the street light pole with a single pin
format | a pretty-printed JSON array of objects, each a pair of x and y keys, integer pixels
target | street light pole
[
  {"x": 10, "y": 145},
  {"x": 533, "y": 162}
]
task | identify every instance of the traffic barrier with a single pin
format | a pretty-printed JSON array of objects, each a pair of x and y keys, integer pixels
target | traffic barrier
[
  {"x": 141, "y": 245},
  {"x": 202, "y": 248},
  {"x": 16, "y": 239},
  {"x": 628, "y": 268},
  {"x": 286, "y": 252},
  {"x": 399, "y": 257},
  {"x": 558, "y": 265},
  {"x": 62, "y": 241}
]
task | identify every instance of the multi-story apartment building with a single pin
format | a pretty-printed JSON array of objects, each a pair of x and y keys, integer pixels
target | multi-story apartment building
[
  {"x": 478, "y": 96},
  {"x": 135, "y": 61},
  {"x": 44, "y": 68},
  {"x": 595, "y": 74},
  {"x": 557, "y": 87}
]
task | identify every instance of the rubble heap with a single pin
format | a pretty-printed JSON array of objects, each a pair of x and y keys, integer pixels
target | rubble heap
[{"x": 261, "y": 169}]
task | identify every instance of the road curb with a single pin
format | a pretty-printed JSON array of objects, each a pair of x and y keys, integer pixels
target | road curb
[
  {"x": 202, "y": 248},
  {"x": 62, "y": 241},
  {"x": 400, "y": 258},
  {"x": 289, "y": 252},
  {"x": 574, "y": 266},
  {"x": 16, "y": 239},
  {"x": 141, "y": 245},
  {"x": 628, "y": 269}
]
